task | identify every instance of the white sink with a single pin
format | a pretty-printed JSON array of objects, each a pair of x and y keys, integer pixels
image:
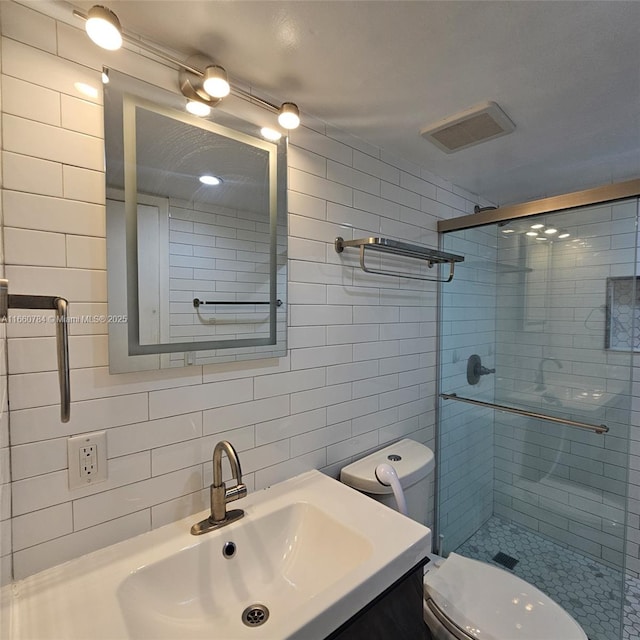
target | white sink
[
  {"x": 311, "y": 550},
  {"x": 281, "y": 560}
]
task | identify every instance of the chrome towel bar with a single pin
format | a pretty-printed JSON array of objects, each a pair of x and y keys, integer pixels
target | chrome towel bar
[
  {"x": 600, "y": 429},
  {"x": 405, "y": 249},
  {"x": 60, "y": 305},
  {"x": 197, "y": 302}
]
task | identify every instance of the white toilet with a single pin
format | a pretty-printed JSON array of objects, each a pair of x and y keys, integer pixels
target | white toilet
[{"x": 464, "y": 599}]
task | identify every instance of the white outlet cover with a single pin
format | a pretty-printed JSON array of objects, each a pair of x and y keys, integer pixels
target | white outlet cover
[{"x": 99, "y": 440}]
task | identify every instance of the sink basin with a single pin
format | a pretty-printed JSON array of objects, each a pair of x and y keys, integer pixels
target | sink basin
[
  {"x": 280, "y": 560},
  {"x": 308, "y": 555}
]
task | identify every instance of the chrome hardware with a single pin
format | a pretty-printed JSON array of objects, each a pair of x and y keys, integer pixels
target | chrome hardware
[
  {"x": 597, "y": 428},
  {"x": 219, "y": 493},
  {"x": 539, "y": 379},
  {"x": 255, "y": 615},
  {"x": 475, "y": 369},
  {"x": 400, "y": 249},
  {"x": 60, "y": 305}
]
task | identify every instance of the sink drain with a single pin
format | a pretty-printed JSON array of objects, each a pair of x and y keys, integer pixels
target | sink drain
[{"x": 255, "y": 615}]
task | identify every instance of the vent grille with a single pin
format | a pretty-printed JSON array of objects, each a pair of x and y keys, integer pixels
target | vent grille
[{"x": 468, "y": 128}]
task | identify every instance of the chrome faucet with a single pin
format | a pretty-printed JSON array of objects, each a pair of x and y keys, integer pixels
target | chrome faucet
[
  {"x": 539, "y": 379},
  {"x": 220, "y": 495}
]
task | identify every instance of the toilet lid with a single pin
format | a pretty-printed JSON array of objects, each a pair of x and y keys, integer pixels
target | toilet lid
[{"x": 491, "y": 604}]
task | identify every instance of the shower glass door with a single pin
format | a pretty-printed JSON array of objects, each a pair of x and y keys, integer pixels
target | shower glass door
[{"x": 547, "y": 305}]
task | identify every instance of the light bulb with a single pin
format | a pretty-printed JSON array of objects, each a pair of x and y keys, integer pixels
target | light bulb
[
  {"x": 270, "y": 134},
  {"x": 289, "y": 115},
  {"x": 103, "y": 27},
  {"x": 550, "y": 231},
  {"x": 533, "y": 234},
  {"x": 537, "y": 225},
  {"x": 211, "y": 181},
  {"x": 215, "y": 82},
  {"x": 198, "y": 108}
]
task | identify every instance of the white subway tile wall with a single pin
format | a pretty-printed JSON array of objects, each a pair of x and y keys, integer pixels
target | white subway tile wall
[
  {"x": 361, "y": 367},
  {"x": 568, "y": 484},
  {"x": 550, "y": 357},
  {"x": 5, "y": 461},
  {"x": 468, "y": 319}
]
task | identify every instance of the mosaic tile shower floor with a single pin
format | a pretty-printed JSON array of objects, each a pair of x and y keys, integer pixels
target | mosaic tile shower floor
[{"x": 589, "y": 591}]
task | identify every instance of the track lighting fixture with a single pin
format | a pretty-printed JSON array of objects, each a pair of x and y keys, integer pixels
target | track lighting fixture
[
  {"x": 103, "y": 27},
  {"x": 202, "y": 82},
  {"x": 215, "y": 82},
  {"x": 289, "y": 115}
]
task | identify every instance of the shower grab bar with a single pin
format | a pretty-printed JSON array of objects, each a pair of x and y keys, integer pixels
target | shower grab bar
[
  {"x": 60, "y": 305},
  {"x": 600, "y": 429},
  {"x": 400, "y": 249}
]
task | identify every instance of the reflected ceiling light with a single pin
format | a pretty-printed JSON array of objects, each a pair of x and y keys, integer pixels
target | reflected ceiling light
[
  {"x": 533, "y": 234},
  {"x": 86, "y": 89},
  {"x": 197, "y": 108},
  {"x": 289, "y": 115},
  {"x": 215, "y": 82},
  {"x": 270, "y": 134},
  {"x": 508, "y": 231},
  {"x": 550, "y": 231},
  {"x": 537, "y": 225},
  {"x": 199, "y": 78},
  {"x": 105, "y": 76},
  {"x": 103, "y": 27},
  {"x": 541, "y": 238},
  {"x": 210, "y": 181},
  {"x": 563, "y": 234}
]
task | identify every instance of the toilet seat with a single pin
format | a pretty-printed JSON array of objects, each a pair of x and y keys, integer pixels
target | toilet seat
[{"x": 472, "y": 599}]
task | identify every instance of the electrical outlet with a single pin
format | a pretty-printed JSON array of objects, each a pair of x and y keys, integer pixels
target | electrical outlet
[
  {"x": 87, "y": 458},
  {"x": 88, "y": 461}
]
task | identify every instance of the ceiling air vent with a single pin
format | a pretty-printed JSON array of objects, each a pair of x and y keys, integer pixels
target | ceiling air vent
[{"x": 478, "y": 124}]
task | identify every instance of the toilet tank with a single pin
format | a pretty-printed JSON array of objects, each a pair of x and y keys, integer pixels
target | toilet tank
[{"x": 413, "y": 463}]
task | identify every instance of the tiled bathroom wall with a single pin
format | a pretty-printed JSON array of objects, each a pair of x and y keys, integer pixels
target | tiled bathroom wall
[
  {"x": 360, "y": 369},
  {"x": 468, "y": 321},
  {"x": 242, "y": 275},
  {"x": 5, "y": 469},
  {"x": 563, "y": 482}
]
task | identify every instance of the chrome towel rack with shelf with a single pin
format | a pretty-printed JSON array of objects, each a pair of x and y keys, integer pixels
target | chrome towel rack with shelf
[{"x": 405, "y": 249}]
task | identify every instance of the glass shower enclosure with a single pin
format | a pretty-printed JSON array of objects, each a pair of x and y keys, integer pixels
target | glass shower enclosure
[{"x": 541, "y": 318}]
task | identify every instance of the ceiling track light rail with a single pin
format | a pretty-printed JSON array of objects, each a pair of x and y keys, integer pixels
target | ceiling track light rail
[{"x": 200, "y": 80}]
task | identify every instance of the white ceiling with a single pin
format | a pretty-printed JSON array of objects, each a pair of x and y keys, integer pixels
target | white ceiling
[{"x": 567, "y": 74}]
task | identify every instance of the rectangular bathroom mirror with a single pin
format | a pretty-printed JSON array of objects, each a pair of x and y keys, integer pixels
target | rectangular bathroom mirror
[{"x": 196, "y": 271}]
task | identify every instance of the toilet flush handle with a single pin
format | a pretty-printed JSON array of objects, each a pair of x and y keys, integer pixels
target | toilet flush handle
[{"x": 387, "y": 475}]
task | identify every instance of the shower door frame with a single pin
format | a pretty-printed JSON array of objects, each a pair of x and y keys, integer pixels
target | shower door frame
[{"x": 598, "y": 195}]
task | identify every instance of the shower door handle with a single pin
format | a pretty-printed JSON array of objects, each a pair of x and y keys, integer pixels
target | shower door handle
[{"x": 597, "y": 428}]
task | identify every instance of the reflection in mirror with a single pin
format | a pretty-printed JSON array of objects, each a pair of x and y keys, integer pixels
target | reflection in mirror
[{"x": 196, "y": 233}]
